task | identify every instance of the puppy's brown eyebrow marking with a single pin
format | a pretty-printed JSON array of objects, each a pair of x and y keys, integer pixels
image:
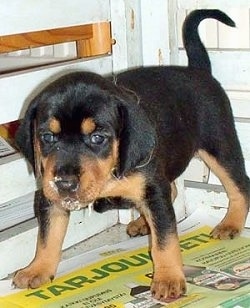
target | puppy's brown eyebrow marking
[
  {"x": 54, "y": 126},
  {"x": 88, "y": 126}
]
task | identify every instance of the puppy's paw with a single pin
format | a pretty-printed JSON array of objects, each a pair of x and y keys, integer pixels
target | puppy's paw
[
  {"x": 138, "y": 227},
  {"x": 31, "y": 277},
  {"x": 168, "y": 285},
  {"x": 226, "y": 231}
]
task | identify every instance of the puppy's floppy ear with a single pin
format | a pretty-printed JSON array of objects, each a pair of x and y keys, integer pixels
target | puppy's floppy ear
[
  {"x": 137, "y": 137},
  {"x": 25, "y": 134}
]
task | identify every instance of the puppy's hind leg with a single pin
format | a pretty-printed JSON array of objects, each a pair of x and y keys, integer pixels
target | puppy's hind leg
[
  {"x": 140, "y": 226},
  {"x": 229, "y": 168}
]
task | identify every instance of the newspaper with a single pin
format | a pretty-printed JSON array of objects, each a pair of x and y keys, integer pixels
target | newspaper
[
  {"x": 217, "y": 273},
  {"x": 5, "y": 148},
  {"x": 7, "y": 133}
]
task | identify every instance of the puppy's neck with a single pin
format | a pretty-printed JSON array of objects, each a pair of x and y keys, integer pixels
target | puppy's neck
[{"x": 131, "y": 187}]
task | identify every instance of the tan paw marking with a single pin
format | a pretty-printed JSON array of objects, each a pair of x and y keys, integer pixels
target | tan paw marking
[
  {"x": 32, "y": 277},
  {"x": 138, "y": 227},
  {"x": 224, "y": 232},
  {"x": 168, "y": 284}
]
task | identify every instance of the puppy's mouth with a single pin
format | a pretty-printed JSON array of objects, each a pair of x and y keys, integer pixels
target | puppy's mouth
[
  {"x": 67, "y": 191},
  {"x": 72, "y": 204}
]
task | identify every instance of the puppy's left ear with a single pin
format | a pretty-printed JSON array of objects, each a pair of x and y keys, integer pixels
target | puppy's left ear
[
  {"x": 137, "y": 138},
  {"x": 25, "y": 134}
]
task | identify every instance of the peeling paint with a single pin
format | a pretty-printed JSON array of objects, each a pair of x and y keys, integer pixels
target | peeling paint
[
  {"x": 132, "y": 20},
  {"x": 160, "y": 57}
]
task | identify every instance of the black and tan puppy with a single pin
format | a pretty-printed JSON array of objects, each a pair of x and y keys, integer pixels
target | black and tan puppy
[{"x": 92, "y": 139}]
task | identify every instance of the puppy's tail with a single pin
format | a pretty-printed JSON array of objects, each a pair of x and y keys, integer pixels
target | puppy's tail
[{"x": 196, "y": 52}]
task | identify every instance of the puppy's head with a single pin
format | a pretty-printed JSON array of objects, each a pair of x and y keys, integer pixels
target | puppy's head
[{"x": 77, "y": 131}]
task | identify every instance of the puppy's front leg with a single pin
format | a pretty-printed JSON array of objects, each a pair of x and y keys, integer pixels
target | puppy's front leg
[
  {"x": 53, "y": 222},
  {"x": 168, "y": 279}
]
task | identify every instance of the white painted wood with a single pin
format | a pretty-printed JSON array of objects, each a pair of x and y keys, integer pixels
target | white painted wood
[
  {"x": 134, "y": 32},
  {"x": 119, "y": 34},
  {"x": 174, "y": 35},
  {"x": 16, "y": 180},
  {"x": 203, "y": 198},
  {"x": 8, "y": 64},
  {"x": 209, "y": 200},
  {"x": 243, "y": 130},
  {"x": 155, "y": 32},
  {"x": 17, "y": 246},
  {"x": 125, "y": 216},
  {"x": 222, "y": 4},
  {"x": 237, "y": 37},
  {"x": 196, "y": 171},
  {"x": 231, "y": 68},
  {"x": 18, "y": 88},
  {"x": 127, "y": 33},
  {"x": 65, "y": 50},
  {"x": 240, "y": 102},
  {"x": 180, "y": 201},
  {"x": 17, "y": 210},
  {"x": 28, "y": 15}
]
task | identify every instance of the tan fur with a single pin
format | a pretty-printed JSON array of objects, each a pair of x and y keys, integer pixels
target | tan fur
[
  {"x": 169, "y": 279},
  {"x": 48, "y": 253},
  {"x": 54, "y": 126},
  {"x": 88, "y": 126},
  {"x": 234, "y": 220}
]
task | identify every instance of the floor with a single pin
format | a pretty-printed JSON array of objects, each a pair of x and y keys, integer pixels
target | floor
[{"x": 110, "y": 236}]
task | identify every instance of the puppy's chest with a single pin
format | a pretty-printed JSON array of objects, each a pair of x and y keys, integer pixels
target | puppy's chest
[{"x": 131, "y": 187}]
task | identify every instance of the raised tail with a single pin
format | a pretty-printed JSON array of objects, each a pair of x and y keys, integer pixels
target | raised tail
[{"x": 196, "y": 52}]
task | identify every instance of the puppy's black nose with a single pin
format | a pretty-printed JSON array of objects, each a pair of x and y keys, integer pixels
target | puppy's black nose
[{"x": 67, "y": 183}]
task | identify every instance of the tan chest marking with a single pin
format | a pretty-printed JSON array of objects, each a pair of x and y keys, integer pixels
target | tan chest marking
[{"x": 131, "y": 187}]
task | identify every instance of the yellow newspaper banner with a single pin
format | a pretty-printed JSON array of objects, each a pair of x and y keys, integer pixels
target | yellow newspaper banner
[{"x": 122, "y": 278}]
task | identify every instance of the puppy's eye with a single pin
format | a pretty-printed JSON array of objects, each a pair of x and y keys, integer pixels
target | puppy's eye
[
  {"x": 97, "y": 139},
  {"x": 49, "y": 138}
]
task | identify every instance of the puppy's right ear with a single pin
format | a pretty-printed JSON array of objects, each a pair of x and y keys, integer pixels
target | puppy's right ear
[{"x": 25, "y": 134}]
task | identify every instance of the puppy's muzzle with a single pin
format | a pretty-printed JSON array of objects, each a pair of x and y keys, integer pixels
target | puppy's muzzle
[{"x": 67, "y": 184}]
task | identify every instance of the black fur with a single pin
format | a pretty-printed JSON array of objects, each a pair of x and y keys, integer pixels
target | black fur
[
  {"x": 137, "y": 137},
  {"x": 126, "y": 118},
  {"x": 197, "y": 54}
]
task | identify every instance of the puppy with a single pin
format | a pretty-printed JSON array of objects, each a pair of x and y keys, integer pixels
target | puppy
[{"x": 122, "y": 142}]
